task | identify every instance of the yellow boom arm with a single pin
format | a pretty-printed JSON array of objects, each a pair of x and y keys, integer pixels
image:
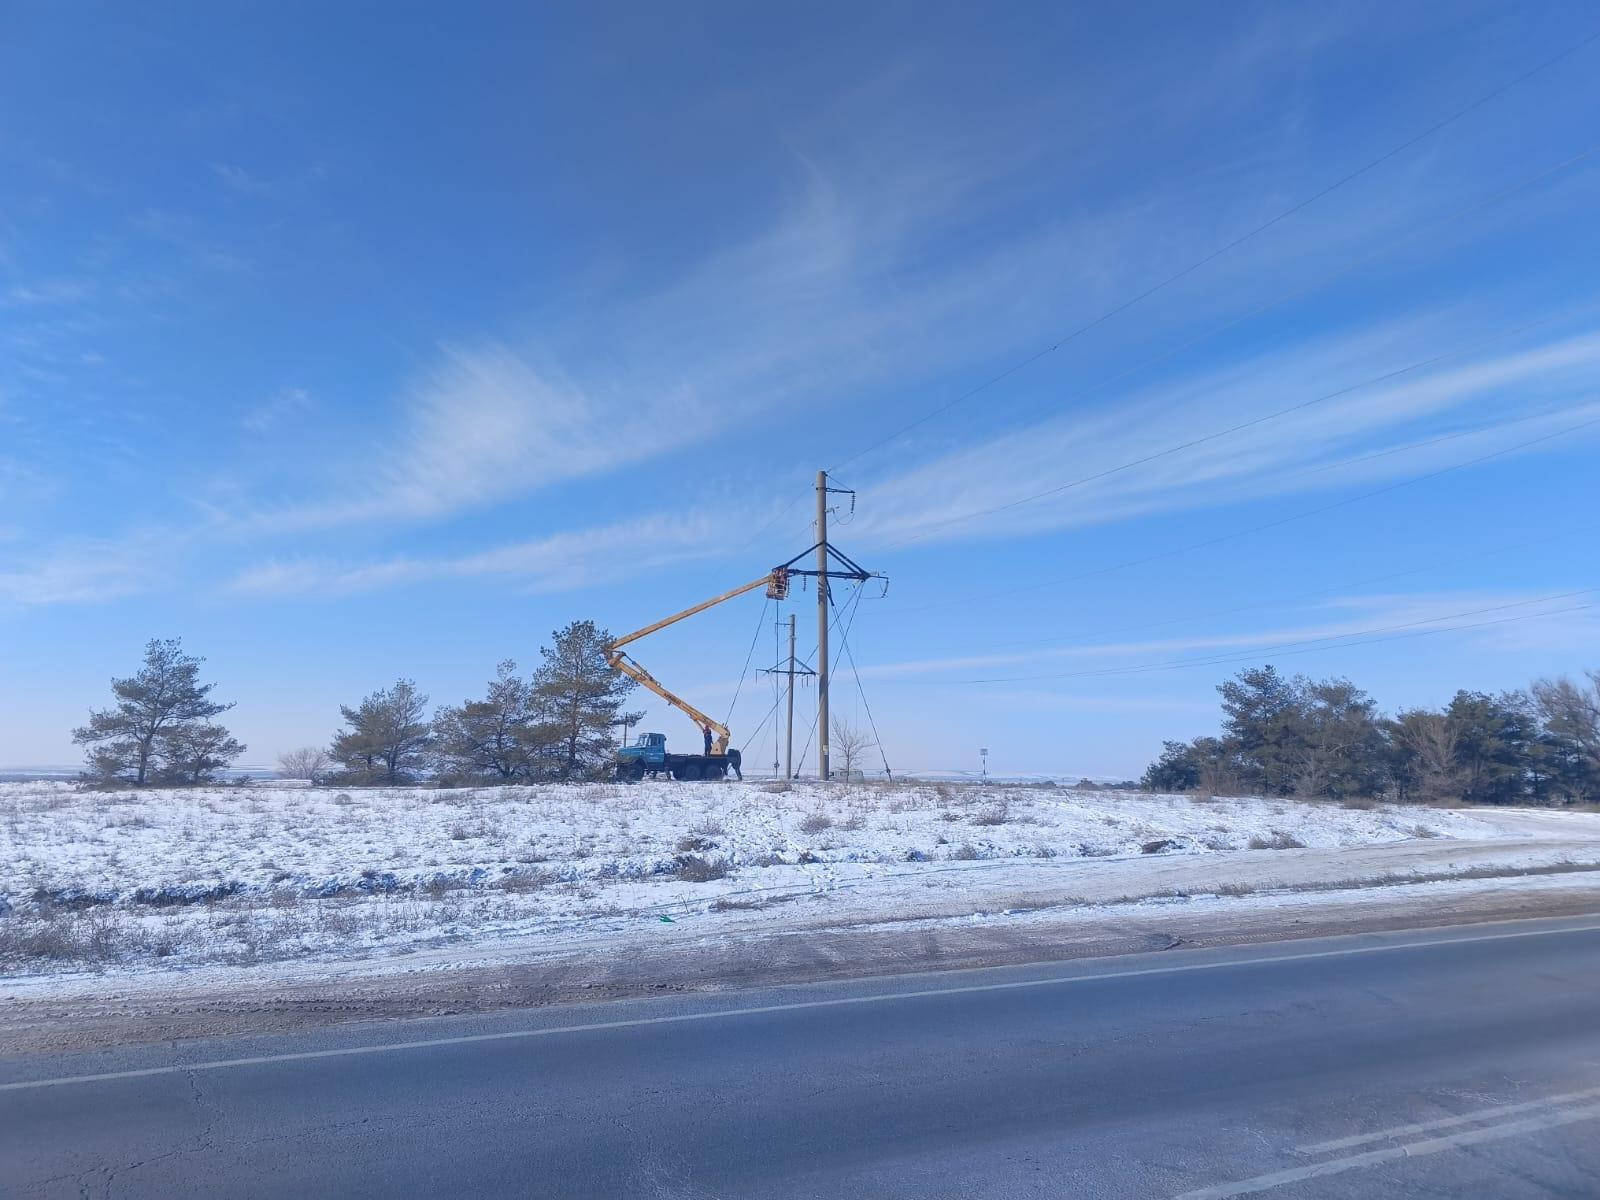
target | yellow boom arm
[{"x": 777, "y": 585}]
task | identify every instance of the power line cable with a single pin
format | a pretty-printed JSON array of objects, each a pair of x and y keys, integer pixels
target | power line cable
[
  {"x": 760, "y": 624},
  {"x": 1238, "y": 533},
  {"x": 862, "y": 692},
  {"x": 833, "y": 615},
  {"x": 1228, "y": 246}
]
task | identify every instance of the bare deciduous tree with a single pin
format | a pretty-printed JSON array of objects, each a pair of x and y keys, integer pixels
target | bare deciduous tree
[
  {"x": 1433, "y": 740},
  {"x": 308, "y": 762},
  {"x": 849, "y": 746}
]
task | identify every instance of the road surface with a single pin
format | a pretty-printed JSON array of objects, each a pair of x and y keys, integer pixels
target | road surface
[{"x": 1448, "y": 1062}]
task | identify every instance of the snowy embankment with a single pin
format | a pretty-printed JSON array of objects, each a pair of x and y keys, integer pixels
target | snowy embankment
[{"x": 175, "y": 879}]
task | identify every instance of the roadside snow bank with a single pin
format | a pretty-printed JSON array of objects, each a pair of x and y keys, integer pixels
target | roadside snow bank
[{"x": 265, "y": 873}]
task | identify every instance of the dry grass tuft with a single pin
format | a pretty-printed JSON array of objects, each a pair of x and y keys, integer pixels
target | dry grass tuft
[
  {"x": 1278, "y": 841},
  {"x": 815, "y": 822},
  {"x": 692, "y": 868}
]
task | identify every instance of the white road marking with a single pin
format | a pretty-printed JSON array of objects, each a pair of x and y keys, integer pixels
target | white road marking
[
  {"x": 1471, "y": 1118},
  {"x": 1335, "y": 1166},
  {"x": 468, "y": 1039}
]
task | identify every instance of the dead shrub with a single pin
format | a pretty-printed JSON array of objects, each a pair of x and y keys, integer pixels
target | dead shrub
[
  {"x": 965, "y": 852},
  {"x": 815, "y": 822},
  {"x": 1278, "y": 841},
  {"x": 995, "y": 814},
  {"x": 777, "y": 787},
  {"x": 732, "y": 904},
  {"x": 1360, "y": 803},
  {"x": 521, "y": 882},
  {"x": 692, "y": 868},
  {"x": 440, "y": 887}
]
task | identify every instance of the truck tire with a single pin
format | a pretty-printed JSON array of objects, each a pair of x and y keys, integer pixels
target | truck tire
[{"x": 689, "y": 771}]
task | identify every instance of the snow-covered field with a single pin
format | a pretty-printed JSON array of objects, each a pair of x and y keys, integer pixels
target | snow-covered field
[{"x": 174, "y": 879}]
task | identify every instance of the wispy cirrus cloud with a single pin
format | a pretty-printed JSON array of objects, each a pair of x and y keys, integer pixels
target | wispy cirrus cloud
[
  {"x": 1069, "y": 470},
  {"x": 79, "y": 571},
  {"x": 848, "y": 283},
  {"x": 282, "y": 406},
  {"x": 557, "y": 562},
  {"x": 1555, "y": 617},
  {"x": 484, "y": 425}
]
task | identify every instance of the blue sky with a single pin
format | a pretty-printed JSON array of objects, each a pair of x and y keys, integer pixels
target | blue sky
[{"x": 350, "y": 342}]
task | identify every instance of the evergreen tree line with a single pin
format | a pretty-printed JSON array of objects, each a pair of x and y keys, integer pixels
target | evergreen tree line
[
  {"x": 1327, "y": 739},
  {"x": 555, "y": 724}
]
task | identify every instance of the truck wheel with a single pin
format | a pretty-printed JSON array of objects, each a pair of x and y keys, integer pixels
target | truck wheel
[{"x": 689, "y": 771}]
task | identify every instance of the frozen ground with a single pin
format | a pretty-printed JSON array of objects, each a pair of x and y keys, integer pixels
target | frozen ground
[{"x": 236, "y": 881}]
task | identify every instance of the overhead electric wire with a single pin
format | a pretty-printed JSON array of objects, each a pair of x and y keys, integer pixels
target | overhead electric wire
[
  {"x": 1336, "y": 640},
  {"x": 747, "y": 658},
  {"x": 833, "y": 624},
  {"x": 877, "y": 738},
  {"x": 771, "y": 521},
  {"x": 1274, "y": 524},
  {"x": 1228, "y": 246}
]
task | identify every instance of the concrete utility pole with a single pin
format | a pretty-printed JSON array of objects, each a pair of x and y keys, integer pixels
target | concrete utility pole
[
  {"x": 822, "y": 625},
  {"x": 788, "y": 753}
]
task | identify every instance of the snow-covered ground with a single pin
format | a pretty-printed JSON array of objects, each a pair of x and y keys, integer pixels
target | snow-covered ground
[{"x": 164, "y": 880}]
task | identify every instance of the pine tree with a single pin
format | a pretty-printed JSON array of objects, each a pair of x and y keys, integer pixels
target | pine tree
[
  {"x": 1495, "y": 741},
  {"x": 1258, "y": 706},
  {"x": 193, "y": 752},
  {"x": 498, "y": 737},
  {"x": 579, "y": 695},
  {"x": 388, "y": 736},
  {"x": 159, "y": 712}
]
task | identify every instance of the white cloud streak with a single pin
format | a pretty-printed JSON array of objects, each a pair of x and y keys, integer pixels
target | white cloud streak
[
  {"x": 1370, "y": 435},
  {"x": 1549, "y": 625},
  {"x": 83, "y": 571},
  {"x": 485, "y": 425},
  {"x": 281, "y": 407},
  {"x": 558, "y": 562}
]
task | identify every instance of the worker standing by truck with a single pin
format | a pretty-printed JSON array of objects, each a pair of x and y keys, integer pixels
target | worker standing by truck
[{"x": 707, "y": 732}]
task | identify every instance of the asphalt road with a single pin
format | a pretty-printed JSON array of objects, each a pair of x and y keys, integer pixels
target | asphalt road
[{"x": 1455, "y": 1062}]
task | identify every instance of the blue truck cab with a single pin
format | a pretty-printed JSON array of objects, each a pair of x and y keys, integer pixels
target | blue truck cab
[{"x": 649, "y": 749}]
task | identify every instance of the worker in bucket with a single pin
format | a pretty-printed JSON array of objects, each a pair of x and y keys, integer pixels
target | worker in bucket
[{"x": 707, "y": 732}]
